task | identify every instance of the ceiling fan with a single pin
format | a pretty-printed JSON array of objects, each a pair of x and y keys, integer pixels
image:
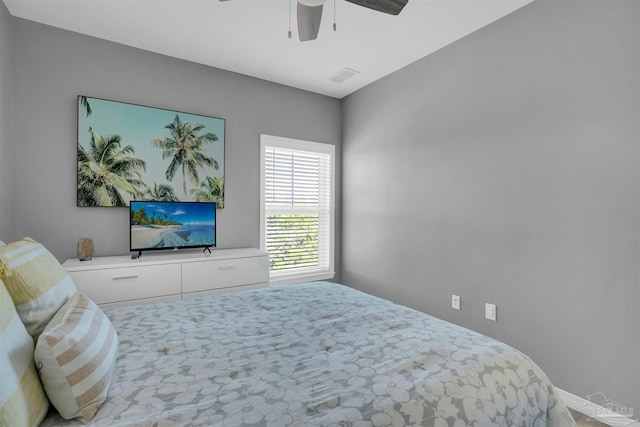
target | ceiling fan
[{"x": 310, "y": 13}]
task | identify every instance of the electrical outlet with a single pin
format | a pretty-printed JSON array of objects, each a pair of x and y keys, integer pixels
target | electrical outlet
[
  {"x": 455, "y": 302},
  {"x": 490, "y": 312}
]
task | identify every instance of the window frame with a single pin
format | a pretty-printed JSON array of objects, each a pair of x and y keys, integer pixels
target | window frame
[{"x": 305, "y": 273}]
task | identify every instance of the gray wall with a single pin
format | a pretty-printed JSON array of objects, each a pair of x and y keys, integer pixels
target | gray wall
[
  {"x": 53, "y": 66},
  {"x": 6, "y": 114},
  {"x": 504, "y": 168}
]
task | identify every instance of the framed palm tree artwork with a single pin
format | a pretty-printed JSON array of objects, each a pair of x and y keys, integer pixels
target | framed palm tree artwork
[{"x": 132, "y": 152}]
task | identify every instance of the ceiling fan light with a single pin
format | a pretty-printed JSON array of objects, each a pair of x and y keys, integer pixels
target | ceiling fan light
[{"x": 312, "y": 3}]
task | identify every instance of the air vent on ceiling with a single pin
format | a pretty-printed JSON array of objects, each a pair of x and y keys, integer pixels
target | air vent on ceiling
[{"x": 343, "y": 75}]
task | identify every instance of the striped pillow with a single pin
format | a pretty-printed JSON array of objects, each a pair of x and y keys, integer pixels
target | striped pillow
[
  {"x": 75, "y": 356},
  {"x": 36, "y": 281},
  {"x": 22, "y": 400}
]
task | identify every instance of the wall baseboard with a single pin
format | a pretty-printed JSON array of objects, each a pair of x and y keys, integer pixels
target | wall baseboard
[{"x": 597, "y": 412}]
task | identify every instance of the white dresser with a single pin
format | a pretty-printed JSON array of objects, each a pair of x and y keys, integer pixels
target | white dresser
[{"x": 120, "y": 280}]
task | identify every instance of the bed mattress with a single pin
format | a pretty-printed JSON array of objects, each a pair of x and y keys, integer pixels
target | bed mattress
[{"x": 314, "y": 354}]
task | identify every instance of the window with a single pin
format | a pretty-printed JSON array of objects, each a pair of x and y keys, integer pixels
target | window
[{"x": 297, "y": 208}]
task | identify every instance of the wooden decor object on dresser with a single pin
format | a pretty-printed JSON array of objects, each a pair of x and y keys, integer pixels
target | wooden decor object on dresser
[{"x": 120, "y": 280}]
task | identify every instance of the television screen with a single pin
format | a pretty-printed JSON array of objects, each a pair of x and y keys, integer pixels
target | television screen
[{"x": 172, "y": 225}]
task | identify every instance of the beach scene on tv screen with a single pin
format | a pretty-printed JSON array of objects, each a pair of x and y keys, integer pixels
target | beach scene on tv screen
[{"x": 156, "y": 225}]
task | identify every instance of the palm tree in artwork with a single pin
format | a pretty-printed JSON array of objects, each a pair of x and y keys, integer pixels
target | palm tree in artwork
[
  {"x": 161, "y": 193},
  {"x": 85, "y": 103},
  {"x": 211, "y": 190},
  {"x": 185, "y": 147},
  {"x": 106, "y": 171}
]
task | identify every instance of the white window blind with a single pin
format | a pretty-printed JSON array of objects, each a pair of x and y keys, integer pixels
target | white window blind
[{"x": 297, "y": 212}]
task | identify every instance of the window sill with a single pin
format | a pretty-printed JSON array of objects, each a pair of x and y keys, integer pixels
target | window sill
[{"x": 289, "y": 279}]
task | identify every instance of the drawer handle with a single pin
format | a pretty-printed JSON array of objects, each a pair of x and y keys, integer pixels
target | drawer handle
[
  {"x": 124, "y": 277},
  {"x": 228, "y": 267}
]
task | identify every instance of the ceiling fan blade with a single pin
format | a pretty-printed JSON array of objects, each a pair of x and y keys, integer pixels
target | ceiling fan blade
[
  {"x": 392, "y": 7},
  {"x": 309, "y": 18}
]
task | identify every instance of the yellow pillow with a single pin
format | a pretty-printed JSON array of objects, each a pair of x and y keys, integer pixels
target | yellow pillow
[
  {"x": 22, "y": 400},
  {"x": 36, "y": 281}
]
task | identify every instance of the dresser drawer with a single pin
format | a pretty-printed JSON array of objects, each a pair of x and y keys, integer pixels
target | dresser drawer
[
  {"x": 111, "y": 285},
  {"x": 218, "y": 274}
]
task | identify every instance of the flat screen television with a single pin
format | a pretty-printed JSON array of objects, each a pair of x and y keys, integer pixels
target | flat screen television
[{"x": 171, "y": 225}]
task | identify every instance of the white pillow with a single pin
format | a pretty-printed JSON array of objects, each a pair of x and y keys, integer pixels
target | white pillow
[{"x": 75, "y": 356}]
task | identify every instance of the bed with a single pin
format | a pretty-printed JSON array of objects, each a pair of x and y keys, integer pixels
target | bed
[{"x": 314, "y": 354}]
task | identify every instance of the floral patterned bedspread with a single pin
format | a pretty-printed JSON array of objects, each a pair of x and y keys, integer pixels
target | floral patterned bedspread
[{"x": 314, "y": 354}]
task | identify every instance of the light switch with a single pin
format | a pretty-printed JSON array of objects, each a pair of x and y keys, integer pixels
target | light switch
[{"x": 490, "y": 312}]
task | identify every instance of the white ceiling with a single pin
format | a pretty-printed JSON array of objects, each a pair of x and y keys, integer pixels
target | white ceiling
[{"x": 250, "y": 36}]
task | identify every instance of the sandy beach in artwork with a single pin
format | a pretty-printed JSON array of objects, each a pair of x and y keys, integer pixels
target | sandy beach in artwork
[
  {"x": 172, "y": 236},
  {"x": 147, "y": 237}
]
